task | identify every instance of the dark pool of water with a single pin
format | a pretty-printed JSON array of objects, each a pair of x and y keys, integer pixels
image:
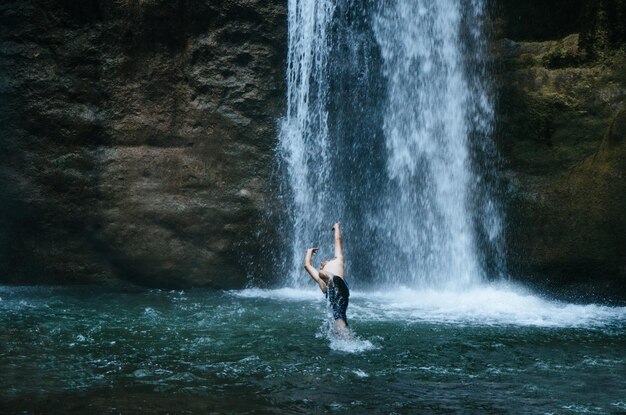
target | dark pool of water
[{"x": 89, "y": 351}]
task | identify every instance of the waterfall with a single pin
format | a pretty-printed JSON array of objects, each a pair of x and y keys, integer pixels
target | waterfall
[
  {"x": 388, "y": 131},
  {"x": 304, "y": 137}
]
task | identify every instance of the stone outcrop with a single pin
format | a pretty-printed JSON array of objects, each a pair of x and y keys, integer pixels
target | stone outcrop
[
  {"x": 561, "y": 104},
  {"x": 137, "y": 138}
]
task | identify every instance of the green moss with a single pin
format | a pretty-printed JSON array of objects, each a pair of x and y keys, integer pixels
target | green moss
[
  {"x": 553, "y": 114},
  {"x": 564, "y": 53}
]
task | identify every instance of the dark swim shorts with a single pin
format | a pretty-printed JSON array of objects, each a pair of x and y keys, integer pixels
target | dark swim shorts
[{"x": 338, "y": 296}]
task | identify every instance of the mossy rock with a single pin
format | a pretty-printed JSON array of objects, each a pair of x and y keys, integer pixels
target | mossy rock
[
  {"x": 571, "y": 228},
  {"x": 616, "y": 135},
  {"x": 561, "y": 130}
]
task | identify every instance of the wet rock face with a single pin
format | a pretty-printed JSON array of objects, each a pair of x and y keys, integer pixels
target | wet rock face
[
  {"x": 137, "y": 138},
  {"x": 561, "y": 111}
]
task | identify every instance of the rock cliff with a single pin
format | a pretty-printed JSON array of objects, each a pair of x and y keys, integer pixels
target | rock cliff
[
  {"x": 561, "y": 115},
  {"x": 136, "y": 139}
]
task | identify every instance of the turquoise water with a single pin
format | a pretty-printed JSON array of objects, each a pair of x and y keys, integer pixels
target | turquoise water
[{"x": 495, "y": 349}]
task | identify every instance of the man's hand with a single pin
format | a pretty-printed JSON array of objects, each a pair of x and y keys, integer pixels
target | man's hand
[
  {"x": 335, "y": 226},
  {"x": 312, "y": 250}
]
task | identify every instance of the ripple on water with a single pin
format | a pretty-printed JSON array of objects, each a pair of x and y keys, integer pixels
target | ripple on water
[
  {"x": 590, "y": 361},
  {"x": 582, "y": 409},
  {"x": 619, "y": 405}
]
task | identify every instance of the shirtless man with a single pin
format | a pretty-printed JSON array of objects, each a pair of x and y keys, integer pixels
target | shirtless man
[{"x": 330, "y": 278}]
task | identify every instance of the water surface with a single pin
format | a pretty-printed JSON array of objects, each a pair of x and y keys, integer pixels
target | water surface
[{"x": 491, "y": 350}]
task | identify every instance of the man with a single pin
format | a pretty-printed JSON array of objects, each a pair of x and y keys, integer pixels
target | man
[{"x": 330, "y": 279}]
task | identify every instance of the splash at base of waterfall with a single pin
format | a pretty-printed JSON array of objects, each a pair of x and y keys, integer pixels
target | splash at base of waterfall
[{"x": 486, "y": 304}]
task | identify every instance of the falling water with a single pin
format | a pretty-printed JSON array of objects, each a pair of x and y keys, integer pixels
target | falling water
[
  {"x": 387, "y": 130},
  {"x": 304, "y": 138}
]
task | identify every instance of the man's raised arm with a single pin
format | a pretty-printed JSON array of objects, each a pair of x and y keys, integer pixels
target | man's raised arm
[
  {"x": 311, "y": 269},
  {"x": 338, "y": 247}
]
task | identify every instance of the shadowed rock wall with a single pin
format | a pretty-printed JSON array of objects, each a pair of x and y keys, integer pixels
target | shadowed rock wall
[
  {"x": 137, "y": 138},
  {"x": 561, "y": 70}
]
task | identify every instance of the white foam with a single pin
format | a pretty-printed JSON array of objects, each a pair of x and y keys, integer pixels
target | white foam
[
  {"x": 487, "y": 304},
  {"x": 361, "y": 374},
  {"x": 151, "y": 313},
  {"x": 292, "y": 294},
  {"x": 350, "y": 345}
]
